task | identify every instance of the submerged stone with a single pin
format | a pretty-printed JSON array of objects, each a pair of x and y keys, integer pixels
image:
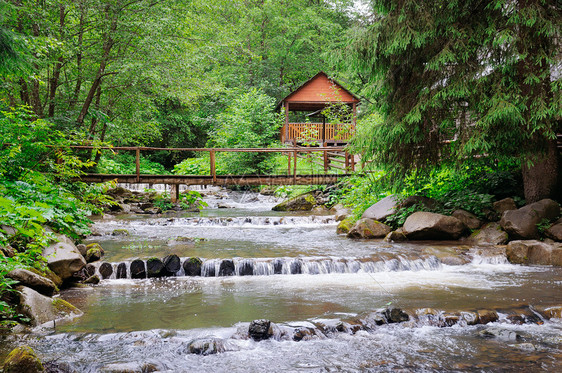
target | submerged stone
[
  {"x": 260, "y": 330},
  {"x": 277, "y": 266},
  {"x": 246, "y": 268},
  {"x": 154, "y": 268},
  {"x": 121, "y": 271},
  {"x": 206, "y": 346},
  {"x": 296, "y": 267}
]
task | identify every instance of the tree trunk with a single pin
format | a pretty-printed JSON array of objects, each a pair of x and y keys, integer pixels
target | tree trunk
[{"x": 541, "y": 178}]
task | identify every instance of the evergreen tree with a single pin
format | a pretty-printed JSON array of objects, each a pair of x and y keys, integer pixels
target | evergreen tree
[{"x": 456, "y": 79}]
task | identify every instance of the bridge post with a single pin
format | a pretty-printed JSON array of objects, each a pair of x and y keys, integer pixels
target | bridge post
[
  {"x": 288, "y": 164},
  {"x": 295, "y": 156},
  {"x": 213, "y": 166},
  {"x": 326, "y": 159},
  {"x": 174, "y": 193},
  {"x": 137, "y": 163}
]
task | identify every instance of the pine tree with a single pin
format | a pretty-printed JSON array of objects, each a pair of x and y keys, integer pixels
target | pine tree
[{"x": 456, "y": 79}]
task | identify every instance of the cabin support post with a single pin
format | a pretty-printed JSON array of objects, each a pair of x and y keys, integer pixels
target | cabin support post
[
  {"x": 137, "y": 163},
  {"x": 295, "y": 166},
  {"x": 346, "y": 161},
  {"x": 286, "y": 122},
  {"x": 326, "y": 159}
]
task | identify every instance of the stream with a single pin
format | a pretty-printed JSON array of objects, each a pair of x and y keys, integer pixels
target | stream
[{"x": 293, "y": 269}]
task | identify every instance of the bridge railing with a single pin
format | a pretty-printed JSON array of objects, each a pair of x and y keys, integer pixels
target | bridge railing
[{"x": 327, "y": 158}]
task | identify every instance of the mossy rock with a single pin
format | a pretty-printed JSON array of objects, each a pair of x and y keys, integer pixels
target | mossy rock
[
  {"x": 50, "y": 275},
  {"x": 120, "y": 232},
  {"x": 64, "y": 307},
  {"x": 344, "y": 226},
  {"x": 93, "y": 254},
  {"x": 303, "y": 202},
  {"x": 23, "y": 359}
]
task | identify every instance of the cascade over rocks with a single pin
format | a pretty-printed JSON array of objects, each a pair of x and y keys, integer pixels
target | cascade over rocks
[
  {"x": 382, "y": 209},
  {"x": 63, "y": 258},
  {"x": 34, "y": 281},
  {"x": 368, "y": 228},
  {"x": 522, "y": 223},
  {"x": 121, "y": 271},
  {"x": 431, "y": 226},
  {"x": 206, "y": 346}
]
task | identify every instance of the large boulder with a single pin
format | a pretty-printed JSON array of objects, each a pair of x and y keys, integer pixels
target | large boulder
[
  {"x": 534, "y": 252},
  {"x": 423, "y": 225},
  {"x": 489, "y": 234},
  {"x": 382, "y": 209},
  {"x": 94, "y": 252},
  {"x": 368, "y": 228},
  {"x": 41, "y": 309},
  {"x": 22, "y": 360},
  {"x": 304, "y": 202},
  {"x": 555, "y": 231},
  {"x": 32, "y": 280},
  {"x": 468, "y": 219},
  {"x": 63, "y": 257},
  {"x": 506, "y": 204},
  {"x": 522, "y": 223}
]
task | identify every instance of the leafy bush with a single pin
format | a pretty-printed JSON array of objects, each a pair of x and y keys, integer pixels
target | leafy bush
[
  {"x": 200, "y": 165},
  {"x": 125, "y": 163},
  {"x": 250, "y": 122}
]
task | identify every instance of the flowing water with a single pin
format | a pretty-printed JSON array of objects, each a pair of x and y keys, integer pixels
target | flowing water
[{"x": 295, "y": 271}]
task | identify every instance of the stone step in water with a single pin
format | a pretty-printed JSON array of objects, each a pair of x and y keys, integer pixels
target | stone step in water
[{"x": 172, "y": 265}]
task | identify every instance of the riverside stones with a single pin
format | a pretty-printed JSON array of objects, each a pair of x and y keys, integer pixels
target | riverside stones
[
  {"x": 340, "y": 212},
  {"x": 504, "y": 205},
  {"x": 32, "y": 280},
  {"x": 522, "y": 223},
  {"x": 555, "y": 231},
  {"x": 429, "y": 226},
  {"x": 260, "y": 330},
  {"x": 63, "y": 257},
  {"x": 382, "y": 209},
  {"x": 344, "y": 226},
  {"x": 368, "y": 228}
]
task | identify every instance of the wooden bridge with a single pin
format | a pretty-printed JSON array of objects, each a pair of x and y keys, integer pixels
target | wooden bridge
[{"x": 329, "y": 159}]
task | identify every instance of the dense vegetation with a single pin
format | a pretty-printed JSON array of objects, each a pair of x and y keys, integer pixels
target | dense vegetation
[{"x": 460, "y": 99}]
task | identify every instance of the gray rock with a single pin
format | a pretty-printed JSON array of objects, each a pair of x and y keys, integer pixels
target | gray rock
[
  {"x": 260, "y": 330},
  {"x": 534, "y": 252},
  {"x": 489, "y": 234},
  {"x": 555, "y": 231},
  {"x": 63, "y": 258},
  {"x": 368, "y": 228},
  {"x": 206, "y": 346},
  {"x": 82, "y": 249},
  {"x": 7, "y": 251},
  {"x": 41, "y": 309},
  {"x": 468, "y": 219},
  {"x": 430, "y": 226},
  {"x": 344, "y": 226},
  {"x": 500, "y": 333},
  {"x": 120, "y": 232},
  {"x": 105, "y": 270},
  {"x": 504, "y": 205},
  {"x": 34, "y": 281},
  {"x": 382, "y": 209},
  {"x": 340, "y": 212},
  {"x": 522, "y": 223}
]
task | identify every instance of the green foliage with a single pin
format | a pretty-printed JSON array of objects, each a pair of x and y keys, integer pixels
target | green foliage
[
  {"x": 201, "y": 165},
  {"x": 125, "y": 163},
  {"x": 250, "y": 122},
  {"x": 191, "y": 199}
]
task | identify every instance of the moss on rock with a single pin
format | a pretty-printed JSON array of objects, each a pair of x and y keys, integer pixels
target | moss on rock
[{"x": 23, "y": 359}]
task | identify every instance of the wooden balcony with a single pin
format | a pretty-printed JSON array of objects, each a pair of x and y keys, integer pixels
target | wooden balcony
[{"x": 317, "y": 132}]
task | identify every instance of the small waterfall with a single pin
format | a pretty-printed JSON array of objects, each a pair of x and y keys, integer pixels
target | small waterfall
[{"x": 270, "y": 266}]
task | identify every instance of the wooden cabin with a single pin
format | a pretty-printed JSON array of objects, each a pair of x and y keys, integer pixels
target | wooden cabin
[{"x": 310, "y": 113}]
